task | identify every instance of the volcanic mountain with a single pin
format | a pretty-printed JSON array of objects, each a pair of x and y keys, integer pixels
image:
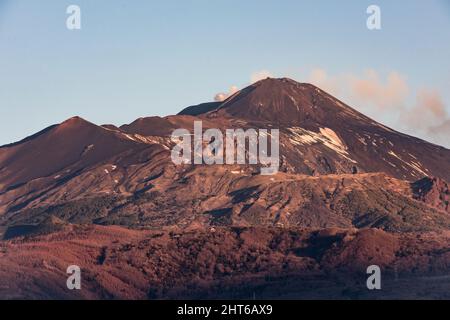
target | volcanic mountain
[
  {"x": 319, "y": 135},
  {"x": 338, "y": 169},
  {"x": 71, "y": 145},
  {"x": 322, "y": 135}
]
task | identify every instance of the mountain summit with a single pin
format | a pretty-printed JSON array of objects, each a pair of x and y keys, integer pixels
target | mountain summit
[
  {"x": 278, "y": 100},
  {"x": 283, "y": 101},
  {"x": 319, "y": 136}
]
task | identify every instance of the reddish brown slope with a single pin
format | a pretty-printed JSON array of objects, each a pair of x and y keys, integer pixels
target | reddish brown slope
[
  {"x": 224, "y": 263},
  {"x": 75, "y": 143},
  {"x": 433, "y": 191},
  {"x": 150, "y": 126}
]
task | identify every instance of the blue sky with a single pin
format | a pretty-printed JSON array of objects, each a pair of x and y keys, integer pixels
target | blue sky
[{"x": 142, "y": 58}]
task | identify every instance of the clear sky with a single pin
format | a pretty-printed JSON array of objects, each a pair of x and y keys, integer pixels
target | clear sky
[{"x": 140, "y": 58}]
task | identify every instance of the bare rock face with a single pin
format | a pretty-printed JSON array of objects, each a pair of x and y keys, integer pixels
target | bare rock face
[
  {"x": 433, "y": 191},
  {"x": 349, "y": 192}
]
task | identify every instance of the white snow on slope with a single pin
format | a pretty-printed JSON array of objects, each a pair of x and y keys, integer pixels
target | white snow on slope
[
  {"x": 326, "y": 136},
  {"x": 414, "y": 165}
]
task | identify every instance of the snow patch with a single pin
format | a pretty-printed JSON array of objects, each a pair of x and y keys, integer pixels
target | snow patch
[
  {"x": 392, "y": 153},
  {"x": 326, "y": 136},
  {"x": 130, "y": 137},
  {"x": 363, "y": 141},
  {"x": 294, "y": 102},
  {"x": 413, "y": 156},
  {"x": 414, "y": 165}
]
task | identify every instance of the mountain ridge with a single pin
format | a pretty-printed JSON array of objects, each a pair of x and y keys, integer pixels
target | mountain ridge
[{"x": 78, "y": 159}]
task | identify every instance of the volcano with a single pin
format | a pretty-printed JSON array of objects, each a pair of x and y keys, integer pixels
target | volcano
[
  {"x": 322, "y": 135},
  {"x": 346, "y": 183}
]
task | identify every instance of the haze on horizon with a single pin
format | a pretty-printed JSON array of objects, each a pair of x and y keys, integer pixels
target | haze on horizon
[{"x": 156, "y": 58}]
